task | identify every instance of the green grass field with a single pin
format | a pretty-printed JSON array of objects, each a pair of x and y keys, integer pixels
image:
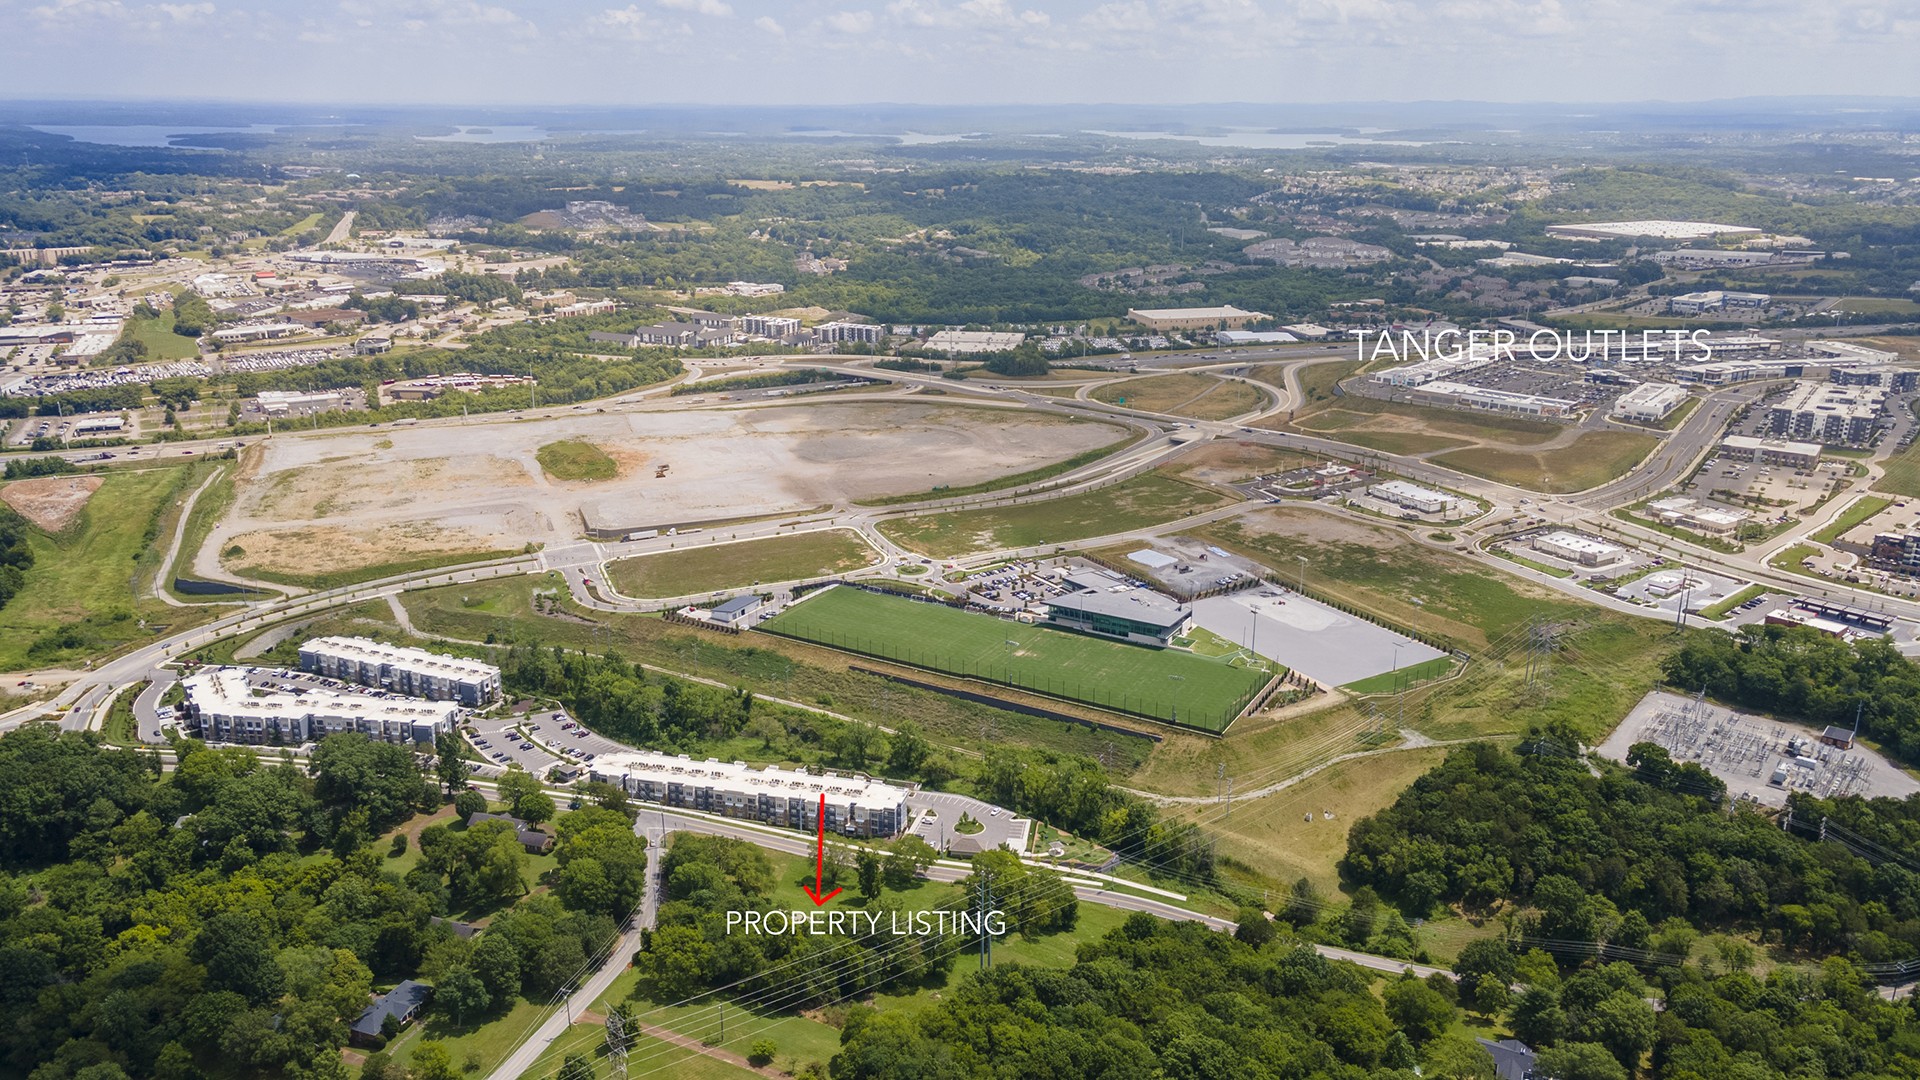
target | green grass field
[
  {"x": 1862, "y": 509},
  {"x": 1876, "y": 305},
  {"x": 576, "y": 459},
  {"x": 1594, "y": 458},
  {"x": 724, "y": 566},
  {"x": 1137, "y": 503},
  {"x": 1719, "y": 610},
  {"x": 1189, "y": 394},
  {"x": 1354, "y": 411},
  {"x": 80, "y": 596},
  {"x": 1901, "y": 475},
  {"x": 1162, "y": 684},
  {"x": 158, "y": 336},
  {"x": 1389, "y": 681}
]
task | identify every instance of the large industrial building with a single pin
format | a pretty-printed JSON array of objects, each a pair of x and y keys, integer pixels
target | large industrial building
[
  {"x": 1699, "y": 303},
  {"x": 1648, "y": 403},
  {"x": 403, "y": 670},
  {"x": 974, "y": 341},
  {"x": 1198, "y": 318},
  {"x": 1659, "y": 229},
  {"x": 856, "y": 805},
  {"x": 1828, "y": 413},
  {"x": 222, "y": 706}
]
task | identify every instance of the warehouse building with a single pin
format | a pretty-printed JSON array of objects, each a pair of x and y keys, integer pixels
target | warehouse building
[
  {"x": 1141, "y": 616},
  {"x": 222, "y": 706},
  {"x": 1699, "y": 303},
  {"x": 1575, "y": 548},
  {"x": 1414, "y": 497},
  {"x": 402, "y": 669},
  {"x": 1648, "y": 403},
  {"x": 856, "y": 805},
  {"x": 1828, "y": 413},
  {"x": 1797, "y": 455},
  {"x": 975, "y": 341},
  {"x": 1198, "y": 318}
]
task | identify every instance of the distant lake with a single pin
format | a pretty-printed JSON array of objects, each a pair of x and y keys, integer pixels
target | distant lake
[
  {"x": 1255, "y": 139},
  {"x": 490, "y": 133},
  {"x": 145, "y": 134}
]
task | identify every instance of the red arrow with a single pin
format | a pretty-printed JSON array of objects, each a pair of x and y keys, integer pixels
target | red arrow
[{"x": 820, "y": 862}]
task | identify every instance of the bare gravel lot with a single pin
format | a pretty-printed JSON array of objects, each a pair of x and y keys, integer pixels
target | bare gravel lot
[{"x": 478, "y": 486}]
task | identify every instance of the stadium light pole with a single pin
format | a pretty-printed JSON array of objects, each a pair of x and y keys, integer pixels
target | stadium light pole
[{"x": 1303, "y": 574}]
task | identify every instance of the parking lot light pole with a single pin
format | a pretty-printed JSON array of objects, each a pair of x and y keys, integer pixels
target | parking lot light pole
[{"x": 1303, "y": 574}]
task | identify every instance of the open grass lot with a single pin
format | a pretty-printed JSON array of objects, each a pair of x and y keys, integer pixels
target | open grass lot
[
  {"x": 1876, "y": 305},
  {"x": 1017, "y": 480},
  {"x": 1863, "y": 508},
  {"x": 576, "y": 459},
  {"x": 1390, "y": 681},
  {"x": 1317, "y": 381},
  {"x": 255, "y": 564},
  {"x": 1719, "y": 610},
  {"x": 1901, "y": 474},
  {"x": 1134, "y": 504},
  {"x": 1593, "y": 459},
  {"x": 1229, "y": 461},
  {"x": 158, "y": 336},
  {"x": 764, "y": 664},
  {"x": 1163, "y": 684},
  {"x": 723, "y": 566},
  {"x": 1401, "y": 442},
  {"x": 82, "y": 595},
  {"x": 1273, "y": 836},
  {"x": 1193, "y": 395}
]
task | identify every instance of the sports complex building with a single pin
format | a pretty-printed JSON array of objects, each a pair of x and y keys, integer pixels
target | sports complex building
[{"x": 856, "y": 805}]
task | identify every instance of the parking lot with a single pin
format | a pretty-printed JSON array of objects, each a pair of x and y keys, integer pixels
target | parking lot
[
  {"x": 1673, "y": 585},
  {"x": 1322, "y": 643},
  {"x": 936, "y": 814}
]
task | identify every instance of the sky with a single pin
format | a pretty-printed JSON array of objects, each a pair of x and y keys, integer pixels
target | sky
[{"x": 743, "y": 52}]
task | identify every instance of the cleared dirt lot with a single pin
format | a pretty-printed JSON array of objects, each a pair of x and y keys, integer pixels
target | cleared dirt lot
[
  {"x": 400, "y": 491},
  {"x": 50, "y": 502}
]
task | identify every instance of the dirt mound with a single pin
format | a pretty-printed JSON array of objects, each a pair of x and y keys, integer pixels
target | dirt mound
[{"x": 50, "y": 502}]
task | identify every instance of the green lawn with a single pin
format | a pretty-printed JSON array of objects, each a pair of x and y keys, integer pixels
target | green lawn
[
  {"x": 1862, "y": 509},
  {"x": 1876, "y": 305},
  {"x": 1902, "y": 473},
  {"x": 158, "y": 336},
  {"x": 1389, "y": 681},
  {"x": 1790, "y": 560},
  {"x": 1164, "y": 684},
  {"x": 1353, "y": 411},
  {"x": 1143, "y": 501},
  {"x": 1593, "y": 459},
  {"x": 1400, "y": 442},
  {"x": 310, "y": 221},
  {"x": 82, "y": 596},
  {"x": 334, "y": 579},
  {"x": 1189, "y": 394},
  {"x": 576, "y": 459},
  {"x": 722, "y": 566},
  {"x": 1719, "y": 610}
]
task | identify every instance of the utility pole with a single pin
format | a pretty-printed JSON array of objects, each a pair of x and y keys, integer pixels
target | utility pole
[{"x": 986, "y": 939}]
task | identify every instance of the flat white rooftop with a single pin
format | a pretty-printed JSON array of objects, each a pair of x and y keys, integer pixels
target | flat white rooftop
[
  {"x": 739, "y": 777},
  {"x": 1659, "y": 228},
  {"x": 366, "y": 650},
  {"x": 225, "y": 692}
]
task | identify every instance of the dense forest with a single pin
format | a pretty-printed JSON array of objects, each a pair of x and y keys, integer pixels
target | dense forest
[
  {"x": 229, "y": 918},
  {"x": 1638, "y": 857},
  {"x": 15, "y": 556},
  {"x": 1806, "y": 675}
]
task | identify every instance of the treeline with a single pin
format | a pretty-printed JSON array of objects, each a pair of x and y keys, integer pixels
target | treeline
[
  {"x": 230, "y": 918},
  {"x": 1641, "y": 857},
  {"x": 1073, "y": 793},
  {"x": 787, "y": 377},
  {"x": 16, "y": 558},
  {"x": 1798, "y": 672},
  {"x": 1167, "y": 999}
]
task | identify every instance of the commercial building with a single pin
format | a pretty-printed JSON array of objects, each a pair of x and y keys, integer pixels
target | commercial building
[
  {"x": 373, "y": 345},
  {"x": 856, "y": 805},
  {"x": 1892, "y": 380},
  {"x": 1506, "y": 401},
  {"x": 98, "y": 425},
  {"x": 278, "y": 403},
  {"x": 1797, "y": 455},
  {"x": 584, "y": 307},
  {"x": 1833, "y": 628},
  {"x": 465, "y": 382},
  {"x": 1848, "y": 350},
  {"x": 835, "y": 333},
  {"x": 258, "y": 331},
  {"x": 1198, "y": 318},
  {"x": 1657, "y": 228},
  {"x": 1693, "y": 514},
  {"x": 1141, "y": 616},
  {"x": 1575, "y": 548},
  {"x": 1828, "y": 413},
  {"x": 1253, "y": 337},
  {"x": 1698, "y": 303},
  {"x": 221, "y": 706},
  {"x": 402, "y": 669},
  {"x": 754, "y": 288},
  {"x": 1648, "y": 403},
  {"x": 974, "y": 341},
  {"x": 1414, "y": 497},
  {"x": 1698, "y": 257}
]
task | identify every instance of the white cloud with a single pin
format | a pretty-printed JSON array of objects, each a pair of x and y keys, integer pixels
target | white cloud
[
  {"x": 771, "y": 25},
  {"x": 185, "y": 12},
  {"x": 851, "y": 22},
  {"x": 717, "y": 8}
]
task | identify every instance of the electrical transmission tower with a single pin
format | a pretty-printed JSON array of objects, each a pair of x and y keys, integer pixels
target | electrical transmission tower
[{"x": 616, "y": 1045}]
